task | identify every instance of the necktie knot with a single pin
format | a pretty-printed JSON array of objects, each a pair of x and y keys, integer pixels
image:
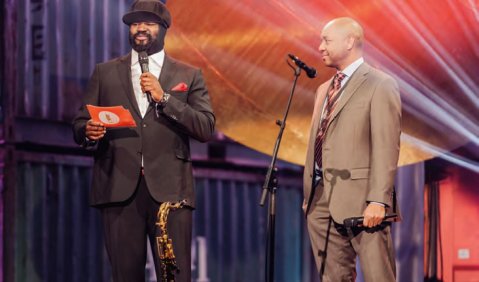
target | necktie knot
[{"x": 337, "y": 80}]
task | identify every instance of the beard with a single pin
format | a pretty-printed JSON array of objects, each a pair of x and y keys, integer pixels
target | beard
[
  {"x": 153, "y": 44},
  {"x": 141, "y": 47}
]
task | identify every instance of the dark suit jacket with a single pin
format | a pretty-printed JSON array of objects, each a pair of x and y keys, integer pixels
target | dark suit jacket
[
  {"x": 361, "y": 147},
  {"x": 162, "y": 141}
]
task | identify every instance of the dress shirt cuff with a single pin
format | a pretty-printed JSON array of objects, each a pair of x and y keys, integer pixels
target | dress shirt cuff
[{"x": 377, "y": 203}]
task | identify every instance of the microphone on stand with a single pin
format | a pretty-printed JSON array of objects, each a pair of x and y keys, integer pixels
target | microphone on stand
[
  {"x": 310, "y": 72},
  {"x": 143, "y": 60}
]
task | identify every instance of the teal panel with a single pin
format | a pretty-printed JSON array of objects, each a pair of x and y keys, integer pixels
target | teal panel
[{"x": 58, "y": 236}]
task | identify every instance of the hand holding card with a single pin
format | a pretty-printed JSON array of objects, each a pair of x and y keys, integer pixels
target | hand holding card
[{"x": 116, "y": 116}]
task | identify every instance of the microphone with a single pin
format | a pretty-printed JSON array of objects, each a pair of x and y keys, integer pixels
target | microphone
[
  {"x": 358, "y": 221},
  {"x": 310, "y": 72},
  {"x": 143, "y": 60}
]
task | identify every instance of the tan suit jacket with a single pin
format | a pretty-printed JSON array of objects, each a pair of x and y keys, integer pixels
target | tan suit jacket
[{"x": 361, "y": 146}]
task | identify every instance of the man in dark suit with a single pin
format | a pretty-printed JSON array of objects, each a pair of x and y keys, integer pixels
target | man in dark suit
[
  {"x": 351, "y": 160},
  {"x": 138, "y": 168}
]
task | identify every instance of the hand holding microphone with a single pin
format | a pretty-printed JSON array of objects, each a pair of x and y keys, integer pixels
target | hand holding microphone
[
  {"x": 374, "y": 214},
  {"x": 358, "y": 221},
  {"x": 148, "y": 82}
]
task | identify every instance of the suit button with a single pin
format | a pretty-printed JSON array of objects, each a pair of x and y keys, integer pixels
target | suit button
[{"x": 144, "y": 125}]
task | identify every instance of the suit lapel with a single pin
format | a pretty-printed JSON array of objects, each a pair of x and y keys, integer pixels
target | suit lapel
[
  {"x": 124, "y": 68},
  {"x": 167, "y": 73},
  {"x": 358, "y": 77}
]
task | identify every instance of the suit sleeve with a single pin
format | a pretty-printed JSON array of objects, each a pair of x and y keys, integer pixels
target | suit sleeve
[
  {"x": 385, "y": 119},
  {"x": 91, "y": 96},
  {"x": 195, "y": 117}
]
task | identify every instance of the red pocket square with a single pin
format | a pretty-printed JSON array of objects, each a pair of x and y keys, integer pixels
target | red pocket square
[{"x": 180, "y": 87}]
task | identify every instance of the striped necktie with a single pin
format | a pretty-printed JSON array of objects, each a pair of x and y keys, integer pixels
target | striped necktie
[{"x": 331, "y": 102}]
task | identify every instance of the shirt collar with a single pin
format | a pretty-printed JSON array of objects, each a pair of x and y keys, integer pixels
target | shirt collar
[
  {"x": 156, "y": 58},
  {"x": 349, "y": 70}
]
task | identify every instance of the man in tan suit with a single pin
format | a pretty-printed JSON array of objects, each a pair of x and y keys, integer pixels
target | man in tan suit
[{"x": 351, "y": 160}]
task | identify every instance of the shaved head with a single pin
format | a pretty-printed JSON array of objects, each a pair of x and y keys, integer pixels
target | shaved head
[
  {"x": 341, "y": 42},
  {"x": 347, "y": 27}
]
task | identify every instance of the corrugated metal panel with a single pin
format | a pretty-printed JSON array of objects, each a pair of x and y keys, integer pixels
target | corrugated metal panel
[
  {"x": 229, "y": 217},
  {"x": 58, "y": 236},
  {"x": 60, "y": 42}
]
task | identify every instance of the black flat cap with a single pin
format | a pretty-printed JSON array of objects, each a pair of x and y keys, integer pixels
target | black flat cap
[{"x": 148, "y": 11}]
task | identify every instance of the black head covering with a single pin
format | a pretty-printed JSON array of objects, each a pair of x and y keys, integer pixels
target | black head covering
[{"x": 149, "y": 11}]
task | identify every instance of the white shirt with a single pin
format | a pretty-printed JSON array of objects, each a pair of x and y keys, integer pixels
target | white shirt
[
  {"x": 349, "y": 70},
  {"x": 155, "y": 64}
]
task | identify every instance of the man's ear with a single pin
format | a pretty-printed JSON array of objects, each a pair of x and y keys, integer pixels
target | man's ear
[{"x": 351, "y": 42}]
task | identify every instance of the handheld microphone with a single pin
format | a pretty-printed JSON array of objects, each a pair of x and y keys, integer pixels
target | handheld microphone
[
  {"x": 358, "y": 221},
  {"x": 310, "y": 72},
  {"x": 143, "y": 60}
]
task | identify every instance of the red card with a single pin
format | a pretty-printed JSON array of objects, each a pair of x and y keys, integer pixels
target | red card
[{"x": 116, "y": 116}]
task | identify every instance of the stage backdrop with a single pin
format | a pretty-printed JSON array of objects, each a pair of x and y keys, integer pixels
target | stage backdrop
[
  {"x": 431, "y": 47},
  {"x": 50, "y": 49}
]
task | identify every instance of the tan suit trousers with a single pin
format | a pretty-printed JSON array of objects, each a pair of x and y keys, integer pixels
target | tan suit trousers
[{"x": 332, "y": 245}]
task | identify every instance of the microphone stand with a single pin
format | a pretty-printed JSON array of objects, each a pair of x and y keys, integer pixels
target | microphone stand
[{"x": 270, "y": 186}]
